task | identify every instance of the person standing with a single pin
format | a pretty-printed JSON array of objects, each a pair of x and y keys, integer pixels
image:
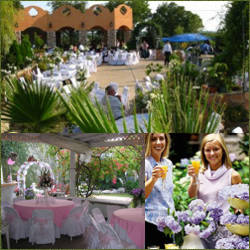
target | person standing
[
  {"x": 167, "y": 51},
  {"x": 158, "y": 187},
  {"x": 217, "y": 172}
]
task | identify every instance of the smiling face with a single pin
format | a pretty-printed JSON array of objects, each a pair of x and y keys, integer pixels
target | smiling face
[
  {"x": 213, "y": 153},
  {"x": 158, "y": 144}
]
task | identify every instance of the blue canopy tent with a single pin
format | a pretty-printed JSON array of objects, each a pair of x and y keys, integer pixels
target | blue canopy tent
[{"x": 188, "y": 37}]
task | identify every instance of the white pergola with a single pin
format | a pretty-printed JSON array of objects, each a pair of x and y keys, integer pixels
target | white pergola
[{"x": 81, "y": 143}]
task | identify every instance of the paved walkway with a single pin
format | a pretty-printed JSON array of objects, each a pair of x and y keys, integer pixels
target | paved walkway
[{"x": 121, "y": 74}]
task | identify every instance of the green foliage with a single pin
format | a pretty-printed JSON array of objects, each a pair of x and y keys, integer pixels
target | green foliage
[
  {"x": 20, "y": 148},
  {"x": 234, "y": 37},
  {"x": 244, "y": 144},
  {"x": 26, "y": 47},
  {"x": 235, "y": 113},
  {"x": 7, "y": 32},
  {"x": 180, "y": 193},
  {"x": 107, "y": 169},
  {"x": 153, "y": 67},
  {"x": 174, "y": 18},
  {"x": 243, "y": 169},
  {"x": 89, "y": 118},
  {"x": 178, "y": 107},
  {"x": 15, "y": 56},
  {"x": 80, "y": 5},
  {"x": 38, "y": 41},
  {"x": 34, "y": 107},
  {"x": 141, "y": 10}
]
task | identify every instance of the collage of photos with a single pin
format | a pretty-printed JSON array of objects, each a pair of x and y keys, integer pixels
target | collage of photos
[{"x": 124, "y": 124}]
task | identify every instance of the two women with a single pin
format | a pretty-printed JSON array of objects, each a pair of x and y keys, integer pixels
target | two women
[{"x": 215, "y": 174}]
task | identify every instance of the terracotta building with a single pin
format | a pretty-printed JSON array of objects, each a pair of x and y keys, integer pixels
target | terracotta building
[{"x": 49, "y": 26}]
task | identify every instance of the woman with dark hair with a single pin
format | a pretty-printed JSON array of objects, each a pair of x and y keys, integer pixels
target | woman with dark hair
[
  {"x": 216, "y": 172},
  {"x": 158, "y": 187}
]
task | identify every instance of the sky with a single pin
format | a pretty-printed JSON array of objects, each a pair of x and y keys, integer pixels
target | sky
[{"x": 211, "y": 12}]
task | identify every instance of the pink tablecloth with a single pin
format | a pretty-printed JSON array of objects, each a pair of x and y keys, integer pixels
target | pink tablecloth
[
  {"x": 133, "y": 221},
  {"x": 61, "y": 209}
]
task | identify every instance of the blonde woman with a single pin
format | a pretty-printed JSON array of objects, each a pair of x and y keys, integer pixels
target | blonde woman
[
  {"x": 158, "y": 191},
  {"x": 216, "y": 172}
]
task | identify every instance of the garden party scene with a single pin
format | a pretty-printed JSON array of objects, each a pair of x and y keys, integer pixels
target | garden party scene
[{"x": 124, "y": 66}]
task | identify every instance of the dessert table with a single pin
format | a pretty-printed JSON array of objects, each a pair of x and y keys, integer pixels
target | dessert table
[
  {"x": 132, "y": 220},
  {"x": 60, "y": 208}
]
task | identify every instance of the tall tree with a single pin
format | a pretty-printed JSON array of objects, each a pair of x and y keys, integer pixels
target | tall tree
[
  {"x": 80, "y": 5},
  {"x": 174, "y": 18},
  {"x": 141, "y": 10},
  {"x": 235, "y": 36},
  {"x": 7, "y": 33}
]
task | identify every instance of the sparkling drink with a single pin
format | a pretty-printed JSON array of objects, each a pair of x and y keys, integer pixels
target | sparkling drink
[{"x": 165, "y": 170}]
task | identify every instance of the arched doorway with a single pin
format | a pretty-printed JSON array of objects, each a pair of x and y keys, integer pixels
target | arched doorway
[
  {"x": 34, "y": 30},
  {"x": 67, "y": 36},
  {"x": 123, "y": 35},
  {"x": 97, "y": 37}
]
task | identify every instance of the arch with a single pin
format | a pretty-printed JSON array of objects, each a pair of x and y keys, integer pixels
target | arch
[
  {"x": 22, "y": 171},
  {"x": 66, "y": 36},
  {"x": 97, "y": 38},
  {"x": 31, "y": 32}
]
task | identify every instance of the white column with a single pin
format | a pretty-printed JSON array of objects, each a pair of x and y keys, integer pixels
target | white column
[{"x": 72, "y": 173}]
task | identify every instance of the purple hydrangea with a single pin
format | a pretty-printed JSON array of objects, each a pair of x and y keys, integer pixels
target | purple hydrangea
[
  {"x": 196, "y": 205},
  {"x": 137, "y": 192},
  {"x": 240, "y": 191},
  {"x": 208, "y": 231},
  {"x": 182, "y": 216},
  {"x": 173, "y": 225},
  {"x": 197, "y": 217},
  {"x": 242, "y": 219},
  {"x": 195, "y": 229},
  {"x": 169, "y": 222},
  {"x": 161, "y": 224},
  {"x": 228, "y": 218},
  {"x": 215, "y": 212},
  {"x": 233, "y": 242}
]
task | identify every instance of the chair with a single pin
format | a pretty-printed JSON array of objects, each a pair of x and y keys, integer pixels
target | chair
[
  {"x": 42, "y": 230},
  {"x": 98, "y": 216},
  {"x": 91, "y": 233},
  {"x": 18, "y": 229},
  {"x": 77, "y": 201},
  {"x": 125, "y": 97},
  {"x": 5, "y": 231},
  {"x": 72, "y": 224}
]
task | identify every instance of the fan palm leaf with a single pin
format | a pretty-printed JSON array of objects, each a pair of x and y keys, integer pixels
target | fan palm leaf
[{"x": 33, "y": 106}]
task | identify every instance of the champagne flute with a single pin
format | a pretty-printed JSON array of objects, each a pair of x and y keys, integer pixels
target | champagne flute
[{"x": 163, "y": 178}]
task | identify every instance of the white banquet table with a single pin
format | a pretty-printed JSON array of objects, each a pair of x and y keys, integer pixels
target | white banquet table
[
  {"x": 60, "y": 208},
  {"x": 132, "y": 220}
]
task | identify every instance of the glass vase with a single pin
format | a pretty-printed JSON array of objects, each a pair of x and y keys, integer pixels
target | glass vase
[{"x": 192, "y": 241}]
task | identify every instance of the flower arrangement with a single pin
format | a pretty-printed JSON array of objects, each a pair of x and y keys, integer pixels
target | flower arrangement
[
  {"x": 138, "y": 196},
  {"x": 233, "y": 242},
  {"x": 199, "y": 219},
  {"x": 45, "y": 179},
  {"x": 29, "y": 194}
]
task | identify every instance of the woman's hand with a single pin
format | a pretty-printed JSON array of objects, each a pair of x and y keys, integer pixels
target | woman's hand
[
  {"x": 157, "y": 173},
  {"x": 191, "y": 171}
]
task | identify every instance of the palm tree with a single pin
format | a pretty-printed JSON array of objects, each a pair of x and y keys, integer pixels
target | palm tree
[{"x": 33, "y": 107}]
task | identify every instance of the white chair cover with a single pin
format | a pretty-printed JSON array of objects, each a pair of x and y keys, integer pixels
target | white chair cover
[
  {"x": 18, "y": 229},
  {"x": 42, "y": 229},
  {"x": 98, "y": 216},
  {"x": 123, "y": 235},
  {"x": 110, "y": 211},
  {"x": 5, "y": 231},
  {"x": 125, "y": 98},
  {"x": 72, "y": 225},
  {"x": 77, "y": 201},
  {"x": 91, "y": 234}
]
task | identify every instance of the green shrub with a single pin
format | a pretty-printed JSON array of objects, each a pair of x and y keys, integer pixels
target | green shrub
[{"x": 38, "y": 41}]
